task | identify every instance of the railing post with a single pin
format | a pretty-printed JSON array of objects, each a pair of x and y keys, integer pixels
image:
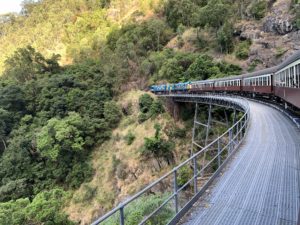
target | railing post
[
  {"x": 219, "y": 152},
  {"x": 241, "y": 130},
  {"x": 237, "y": 132},
  {"x": 175, "y": 191},
  {"x": 122, "y": 217},
  {"x": 195, "y": 175},
  {"x": 230, "y": 141}
]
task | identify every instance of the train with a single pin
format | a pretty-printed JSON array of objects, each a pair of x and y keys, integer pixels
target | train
[{"x": 280, "y": 83}]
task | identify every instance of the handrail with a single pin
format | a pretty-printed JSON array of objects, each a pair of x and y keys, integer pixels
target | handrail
[{"x": 234, "y": 140}]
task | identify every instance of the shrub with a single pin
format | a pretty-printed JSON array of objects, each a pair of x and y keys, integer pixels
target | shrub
[
  {"x": 258, "y": 9},
  {"x": 115, "y": 163},
  {"x": 242, "y": 51},
  {"x": 143, "y": 117},
  {"x": 158, "y": 147},
  {"x": 280, "y": 52},
  {"x": 184, "y": 175},
  {"x": 156, "y": 108},
  {"x": 121, "y": 171},
  {"x": 253, "y": 65},
  {"x": 145, "y": 102},
  {"x": 137, "y": 210},
  {"x": 179, "y": 133},
  {"x": 129, "y": 138},
  {"x": 175, "y": 132},
  {"x": 88, "y": 193}
]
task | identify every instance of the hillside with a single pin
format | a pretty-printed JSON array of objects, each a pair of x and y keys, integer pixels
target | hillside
[{"x": 77, "y": 127}]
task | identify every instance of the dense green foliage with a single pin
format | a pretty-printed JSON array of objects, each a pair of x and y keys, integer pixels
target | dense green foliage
[
  {"x": 43, "y": 209},
  {"x": 51, "y": 119},
  {"x": 177, "y": 67}
]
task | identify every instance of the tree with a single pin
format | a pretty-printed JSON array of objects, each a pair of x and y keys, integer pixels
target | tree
[
  {"x": 202, "y": 68},
  {"x": 25, "y": 64},
  {"x": 174, "y": 68},
  {"x": 112, "y": 113},
  {"x": 61, "y": 135},
  {"x": 180, "y": 12},
  {"x": 158, "y": 148},
  {"x": 225, "y": 38},
  {"x": 6, "y": 123},
  {"x": 214, "y": 14}
]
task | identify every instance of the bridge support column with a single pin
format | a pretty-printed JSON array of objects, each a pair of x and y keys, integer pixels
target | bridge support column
[
  {"x": 207, "y": 127},
  {"x": 173, "y": 108}
]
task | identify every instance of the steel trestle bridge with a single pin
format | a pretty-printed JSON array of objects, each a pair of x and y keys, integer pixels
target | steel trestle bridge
[{"x": 261, "y": 184}]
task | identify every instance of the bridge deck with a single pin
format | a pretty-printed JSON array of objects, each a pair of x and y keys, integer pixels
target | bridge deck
[{"x": 262, "y": 183}]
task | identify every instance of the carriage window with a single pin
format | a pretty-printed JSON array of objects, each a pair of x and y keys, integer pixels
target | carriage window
[
  {"x": 260, "y": 81},
  {"x": 290, "y": 78},
  {"x": 265, "y": 81},
  {"x": 281, "y": 78},
  {"x": 297, "y": 74},
  {"x": 287, "y": 75}
]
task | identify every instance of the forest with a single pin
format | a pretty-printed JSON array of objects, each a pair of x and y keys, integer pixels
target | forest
[{"x": 64, "y": 65}]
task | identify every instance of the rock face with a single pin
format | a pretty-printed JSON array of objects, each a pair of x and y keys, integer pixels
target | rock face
[
  {"x": 273, "y": 38},
  {"x": 278, "y": 25},
  {"x": 279, "y": 20}
]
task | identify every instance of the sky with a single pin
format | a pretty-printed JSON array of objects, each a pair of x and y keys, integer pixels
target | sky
[{"x": 10, "y": 6}]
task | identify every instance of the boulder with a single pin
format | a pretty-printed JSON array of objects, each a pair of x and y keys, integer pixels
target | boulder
[{"x": 280, "y": 25}]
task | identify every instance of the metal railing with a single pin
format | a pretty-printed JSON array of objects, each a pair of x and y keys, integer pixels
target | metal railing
[{"x": 201, "y": 169}]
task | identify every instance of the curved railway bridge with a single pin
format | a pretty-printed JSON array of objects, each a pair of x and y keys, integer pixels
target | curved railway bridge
[
  {"x": 262, "y": 183},
  {"x": 259, "y": 186}
]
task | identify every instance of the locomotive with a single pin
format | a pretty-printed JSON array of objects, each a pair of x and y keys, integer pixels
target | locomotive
[{"x": 280, "y": 83}]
